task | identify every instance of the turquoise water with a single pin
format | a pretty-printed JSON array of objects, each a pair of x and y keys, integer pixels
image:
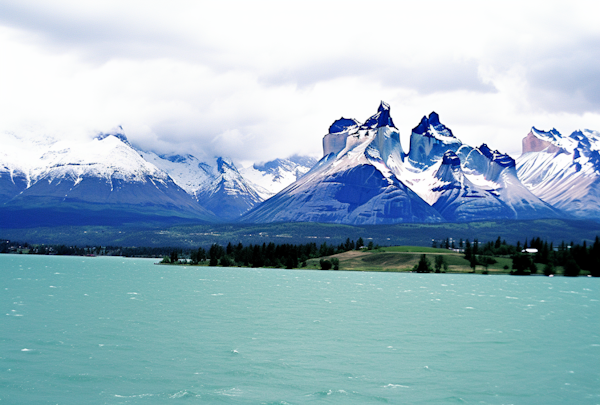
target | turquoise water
[{"x": 124, "y": 331}]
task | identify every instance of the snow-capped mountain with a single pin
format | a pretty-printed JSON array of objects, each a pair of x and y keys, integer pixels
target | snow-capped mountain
[
  {"x": 429, "y": 141},
  {"x": 365, "y": 177},
  {"x": 228, "y": 195},
  {"x": 109, "y": 173},
  {"x": 14, "y": 175},
  {"x": 351, "y": 184},
  {"x": 469, "y": 183},
  {"x": 219, "y": 187},
  {"x": 564, "y": 171},
  {"x": 187, "y": 171},
  {"x": 459, "y": 199},
  {"x": 275, "y": 175},
  {"x": 89, "y": 177}
]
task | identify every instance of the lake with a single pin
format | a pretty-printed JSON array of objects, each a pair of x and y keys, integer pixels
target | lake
[{"x": 110, "y": 330}]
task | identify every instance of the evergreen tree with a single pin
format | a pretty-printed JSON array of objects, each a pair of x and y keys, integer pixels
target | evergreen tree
[
  {"x": 325, "y": 264},
  {"x": 468, "y": 251},
  {"x": 473, "y": 262},
  {"x": 215, "y": 252},
  {"x": 571, "y": 268},
  {"x": 439, "y": 263},
  {"x": 549, "y": 269},
  {"x": 424, "y": 265},
  {"x": 521, "y": 263}
]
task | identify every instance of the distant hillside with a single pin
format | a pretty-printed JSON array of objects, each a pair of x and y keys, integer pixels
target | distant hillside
[{"x": 554, "y": 230}]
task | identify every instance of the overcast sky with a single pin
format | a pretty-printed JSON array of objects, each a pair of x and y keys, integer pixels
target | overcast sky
[{"x": 256, "y": 80}]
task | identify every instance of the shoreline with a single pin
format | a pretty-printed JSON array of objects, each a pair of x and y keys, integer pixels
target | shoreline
[{"x": 481, "y": 273}]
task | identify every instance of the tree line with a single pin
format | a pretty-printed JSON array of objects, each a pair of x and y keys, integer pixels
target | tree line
[
  {"x": 289, "y": 256},
  {"x": 7, "y": 246},
  {"x": 571, "y": 257}
]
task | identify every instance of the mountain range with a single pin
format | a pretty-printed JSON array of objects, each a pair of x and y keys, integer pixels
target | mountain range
[
  {"x": 364, "y": 177},
  {"x": 107, "y": 180},
  {"x": 563, "y": 171}
]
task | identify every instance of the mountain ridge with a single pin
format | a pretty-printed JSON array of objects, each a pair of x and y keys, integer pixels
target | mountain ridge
[
  {"x": 439, "y": 179},
  {"x": 364, "y": 177}
]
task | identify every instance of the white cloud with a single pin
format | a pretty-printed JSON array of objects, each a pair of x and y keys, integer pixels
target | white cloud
[{"x": 259, "y": 80}]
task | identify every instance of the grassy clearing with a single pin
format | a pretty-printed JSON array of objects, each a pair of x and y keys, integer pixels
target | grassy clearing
[
  {"x": 414, "y": 249},
  {"x": 404, "y": 258}
]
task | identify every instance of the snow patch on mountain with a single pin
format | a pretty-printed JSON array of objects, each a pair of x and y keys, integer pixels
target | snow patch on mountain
[
  {"x": 106, "y": 158},
  {"x": 275, "y": 175},
  {"x": 458, "y": 199},
  {"x": 117, "y": 133},
  {"x": 218, "y": 187},
  {"x": 229, "y": 194},
  {"x": 187, "y": 171}
]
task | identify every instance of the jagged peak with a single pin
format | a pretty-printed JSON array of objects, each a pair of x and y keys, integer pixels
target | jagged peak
[
  {"x": 495, "y": 156},
  {"x": 290, "y": 162},
  {"x": 224, "y": 164},
  {"x": 116, "y": 132},
  {"x": 434, "y": 119},
  {"x": 383, "y": 106},
  {"x": 577, "y": 134},
  {"x": 431, "y": 126},
  {"x": 423, "y": 126},
  {"x": 590, "y": 139},
  {"x": 560, "y": 143},
  {"x": 450, "y": 158},
  {"x": 342, "y": 125},
  {"x": 270, "y": 165},
  {"x": 381, "y": 119},
  {"x": 176, "y": 158},
  {"x": 582, "y": 140},
  {"x": 553, "y": 134},
  {"x": 306, "y": 161}
]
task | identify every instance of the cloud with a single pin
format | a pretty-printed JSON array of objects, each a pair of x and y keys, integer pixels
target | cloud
[
  {"x": 428, "y": 77},
  {"x": 264, "y": 79},
  {"x": 568, "y": 80},
  {"x": 100, "y": 31}
]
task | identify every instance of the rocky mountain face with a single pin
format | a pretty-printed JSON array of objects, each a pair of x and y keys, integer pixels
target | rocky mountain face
[
  {"x": 563, "y": 171},
  {"x": 365, "y": 177}
]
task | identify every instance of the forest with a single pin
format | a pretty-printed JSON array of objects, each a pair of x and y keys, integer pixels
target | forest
[{"x": 532, "y": 256}]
